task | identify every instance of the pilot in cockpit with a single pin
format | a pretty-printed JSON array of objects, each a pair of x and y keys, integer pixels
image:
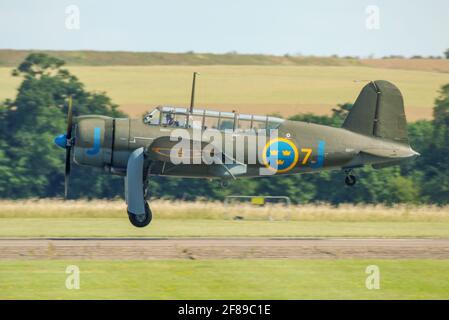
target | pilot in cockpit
[{"x": 170, "y": 120}]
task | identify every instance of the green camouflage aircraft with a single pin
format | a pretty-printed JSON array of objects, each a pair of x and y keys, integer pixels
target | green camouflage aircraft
[{"x": 188, "y": 142}]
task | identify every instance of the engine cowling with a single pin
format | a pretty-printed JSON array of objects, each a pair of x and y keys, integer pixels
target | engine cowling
[{"x": 93, "y": 141}]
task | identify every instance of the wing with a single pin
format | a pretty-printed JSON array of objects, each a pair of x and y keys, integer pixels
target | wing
[{"x": 190, "y": 151}]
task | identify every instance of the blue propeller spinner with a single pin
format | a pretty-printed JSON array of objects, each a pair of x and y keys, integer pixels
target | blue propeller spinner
[{"x": 61, "y": 141}]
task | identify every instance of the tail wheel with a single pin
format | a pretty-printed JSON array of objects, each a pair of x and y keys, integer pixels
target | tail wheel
[
  {"x": 141, "y": 220},
  {"x": 350, "y": 180}
]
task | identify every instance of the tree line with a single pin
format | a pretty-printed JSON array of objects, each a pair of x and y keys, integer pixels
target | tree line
[{"x": 32, "y": 166}]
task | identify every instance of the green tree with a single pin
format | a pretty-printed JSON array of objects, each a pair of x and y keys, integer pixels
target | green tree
[
  {"x": 33, "y": 119},
  {"x": 435, "y": 179},
  {"x": 6, "y": 172},
  {"x": 404, "y": 190},
  {"x": 335, "y": 120}
]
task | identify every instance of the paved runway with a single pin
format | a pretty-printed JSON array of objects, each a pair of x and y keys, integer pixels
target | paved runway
[{"x": 222, "y": 248}]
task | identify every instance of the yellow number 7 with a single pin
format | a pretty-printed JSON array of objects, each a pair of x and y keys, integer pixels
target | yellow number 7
[{"x": 308, "y": 152}]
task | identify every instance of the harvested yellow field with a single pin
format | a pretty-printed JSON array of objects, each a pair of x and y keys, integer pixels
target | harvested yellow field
[{"x": 287, "y": 90}]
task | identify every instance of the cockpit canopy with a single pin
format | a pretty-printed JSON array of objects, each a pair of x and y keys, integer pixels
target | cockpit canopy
[{"x": 207, "y": 119}]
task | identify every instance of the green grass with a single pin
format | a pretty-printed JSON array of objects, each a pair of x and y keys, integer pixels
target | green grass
[
  {"x": 117, "y": 227},
  {"x": 225, "y": 279}
]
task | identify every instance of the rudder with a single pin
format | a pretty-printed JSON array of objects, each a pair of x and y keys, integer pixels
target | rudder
[{"x": 379, "y": 112}]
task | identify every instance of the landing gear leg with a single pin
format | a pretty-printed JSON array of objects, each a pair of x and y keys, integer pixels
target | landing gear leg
[
  {"x": 139, "y": 211},
  {"x": 350, "y": 179}
]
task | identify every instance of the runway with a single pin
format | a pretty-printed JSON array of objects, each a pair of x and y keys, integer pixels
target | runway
[{"x": 221, "y": 248}]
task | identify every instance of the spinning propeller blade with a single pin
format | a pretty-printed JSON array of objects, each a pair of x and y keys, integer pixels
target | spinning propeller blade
[
  {"x": 67, "y": 172},
  {"x": 68, "y": 148},
  {"x": 69, "y": 119}
]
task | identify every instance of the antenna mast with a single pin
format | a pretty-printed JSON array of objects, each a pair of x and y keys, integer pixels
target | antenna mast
[{"x": 192, "y": 98}]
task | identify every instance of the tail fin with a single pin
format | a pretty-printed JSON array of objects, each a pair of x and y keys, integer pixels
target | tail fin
[{"x": 379, "y": 112}]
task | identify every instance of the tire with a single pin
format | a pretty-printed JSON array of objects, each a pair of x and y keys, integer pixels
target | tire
[
  {"x": 350, "y": 180},
  {"x": 141, "y": 220}
]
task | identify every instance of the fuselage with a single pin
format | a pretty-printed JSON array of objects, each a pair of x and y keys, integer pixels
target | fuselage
[{"x": 107, "y": 143}]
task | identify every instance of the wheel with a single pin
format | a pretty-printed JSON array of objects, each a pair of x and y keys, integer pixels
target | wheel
[
  {"x": 224, "y": 183},
  {"x": 141, "y": 220},
  {"x": 350, "y": 180}
]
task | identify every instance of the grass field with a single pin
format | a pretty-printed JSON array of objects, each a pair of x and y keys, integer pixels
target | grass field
[
  {"x": 225, "y": 279},
  {"x": 216, "y": 210},
  {"x": 116, "y": 227},
  {"x": 55, "y": 218},
  {"x": 287, "y": 90}
]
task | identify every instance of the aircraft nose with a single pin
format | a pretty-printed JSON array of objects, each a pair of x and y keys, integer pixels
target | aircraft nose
[{"x": 61, "y": 141}]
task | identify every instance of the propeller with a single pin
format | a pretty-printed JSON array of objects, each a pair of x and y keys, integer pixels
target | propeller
[
  {"x": 65, "y": 141},
  {"x": 68, "y": 149}
]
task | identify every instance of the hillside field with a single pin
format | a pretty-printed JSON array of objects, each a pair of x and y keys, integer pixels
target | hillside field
[{"x": 283, "y": 89}]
